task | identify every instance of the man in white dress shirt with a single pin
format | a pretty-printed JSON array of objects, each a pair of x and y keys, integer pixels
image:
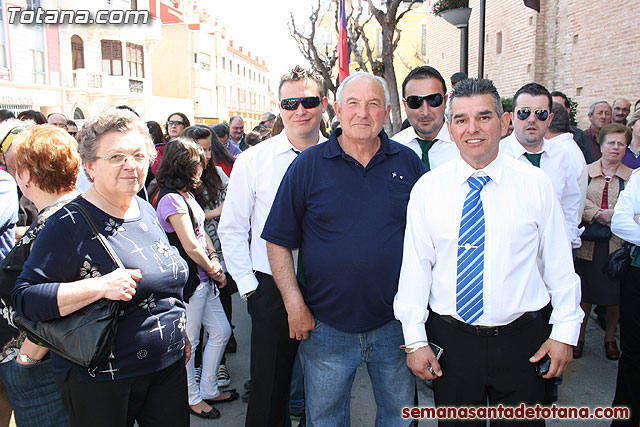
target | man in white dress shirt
[
  {"x": 531, "y": 117},
  {"x": 493, "y": 344},
  {"x": 559, "y": 133},
  {"x": 252, "y": 187},
  {"x": 424, "y": 94}
]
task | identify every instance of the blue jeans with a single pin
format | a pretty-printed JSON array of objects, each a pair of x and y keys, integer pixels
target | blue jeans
[
  {"x": 33, "y": 394},
  {"x": 331, "y": 358},
  {"x": 296, "y": 395}
]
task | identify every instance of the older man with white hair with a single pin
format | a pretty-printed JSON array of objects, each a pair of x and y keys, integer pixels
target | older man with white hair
[{"x": 343, "y": 203}]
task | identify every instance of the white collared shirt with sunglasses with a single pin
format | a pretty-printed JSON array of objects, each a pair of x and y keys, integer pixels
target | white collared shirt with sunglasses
[
  {"x": 442, "y": 151},
  {"x": 556, "y": 162}
]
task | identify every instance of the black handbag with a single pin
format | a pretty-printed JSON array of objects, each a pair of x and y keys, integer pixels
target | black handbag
[
  {"x": 618, "y": 262},
  {"x": 86, "y": 337},
  {"x": 595, "y": 232}
]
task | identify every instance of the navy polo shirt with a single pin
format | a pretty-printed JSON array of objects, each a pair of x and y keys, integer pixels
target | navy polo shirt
[{"x": 349, "y": 222}]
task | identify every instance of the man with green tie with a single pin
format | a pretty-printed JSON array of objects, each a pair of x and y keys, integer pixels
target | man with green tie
[{"x": 424, "y": 95}]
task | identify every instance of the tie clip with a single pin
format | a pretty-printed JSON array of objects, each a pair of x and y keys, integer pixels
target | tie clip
[{"x": 467, "y": 246}]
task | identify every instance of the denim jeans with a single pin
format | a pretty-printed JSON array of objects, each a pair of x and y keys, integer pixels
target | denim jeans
[
  {"x": 204, "y": 308},
  {"x": 33, "y": 394},
  {"x": 296, "y": 395},
  {"x": 331, "y": 358}
]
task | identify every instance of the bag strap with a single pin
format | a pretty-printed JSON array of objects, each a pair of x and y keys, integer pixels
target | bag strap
[{"x": 103, "y": 240}]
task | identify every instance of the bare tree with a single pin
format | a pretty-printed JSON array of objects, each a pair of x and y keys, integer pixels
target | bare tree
[
  {"x": 388, "y": 21},
  {"x": 359, "y": 45}
]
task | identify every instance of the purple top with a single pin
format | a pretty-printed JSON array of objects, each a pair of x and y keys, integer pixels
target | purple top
[
  {"x": 174, "y": 203},
  {"x": 233, "y": 148},
  {"x": 630, "y": 159}
]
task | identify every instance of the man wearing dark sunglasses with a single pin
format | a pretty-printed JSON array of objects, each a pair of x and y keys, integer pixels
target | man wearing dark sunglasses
[
  {"x": 343, "y": 203},
  {"x": 531, "y": 118},
  {"x": 424, "y": 94},
  {"x": 253, "y": 185}
]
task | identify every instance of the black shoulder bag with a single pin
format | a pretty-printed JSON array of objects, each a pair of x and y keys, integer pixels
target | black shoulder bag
[{"x": 86, "y": 337}]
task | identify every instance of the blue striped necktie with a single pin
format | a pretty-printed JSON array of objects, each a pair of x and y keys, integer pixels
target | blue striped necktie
[{"x": 469, "y": 303}]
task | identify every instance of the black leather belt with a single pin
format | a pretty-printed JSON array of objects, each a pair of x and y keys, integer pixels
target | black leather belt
[{"x": 491, "y": 331}]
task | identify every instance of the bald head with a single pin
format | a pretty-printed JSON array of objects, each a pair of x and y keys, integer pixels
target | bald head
[
  {"x": 621, "y": 110},
  {"x": 57, "y": 120}
]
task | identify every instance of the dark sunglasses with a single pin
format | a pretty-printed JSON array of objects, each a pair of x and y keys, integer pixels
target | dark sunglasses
[
  {"x": 415, "y": 101},
  {"x": 307, "y": 102},
  {"x": 175, "y": 123},
  {"x": 524, "y": 113}
]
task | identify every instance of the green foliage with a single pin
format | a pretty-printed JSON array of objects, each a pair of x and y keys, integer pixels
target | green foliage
[
  {"x": 574, "y": 111},
  {"x": 507, "y": 104},
  {"x": 442, "y": 5}
]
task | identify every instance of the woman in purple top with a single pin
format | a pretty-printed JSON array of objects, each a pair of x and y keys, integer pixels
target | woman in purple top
[
  {"x": 632, "y": 154},
  {"x": 183, "y": 220}
]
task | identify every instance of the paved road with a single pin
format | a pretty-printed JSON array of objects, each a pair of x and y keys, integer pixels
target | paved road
[{"x": 589, "y": 381}]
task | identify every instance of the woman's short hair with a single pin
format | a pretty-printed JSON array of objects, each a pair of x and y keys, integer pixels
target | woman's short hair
[
  {"x": 614, "y": 128},
  {"x": 50, "y": 155},
  {"x": 36, "y": 116},
  {"x": 179, "y": 162},
  {"x": 112, "y": 120},
  {"x": 184, "y": 118}
]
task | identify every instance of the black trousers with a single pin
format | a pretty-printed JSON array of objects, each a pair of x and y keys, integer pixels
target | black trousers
[
  {"x": 496, "y": 370},
  {"x": 272, "y": 356},
  {"x": 628, "y": 385},
  {"x": 157, "y": 399}
]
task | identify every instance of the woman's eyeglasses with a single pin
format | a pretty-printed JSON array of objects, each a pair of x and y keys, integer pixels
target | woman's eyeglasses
[
  {"x": 119, "y": 159},
  {"x": 307, "y": 102},
  {"x": 175, "y": 123},
  {"x": 524, "y": 113},
  {"x": 415, "y": 101}
]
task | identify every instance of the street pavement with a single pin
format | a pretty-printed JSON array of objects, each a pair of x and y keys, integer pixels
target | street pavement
[{"x": 589, "y": 381}]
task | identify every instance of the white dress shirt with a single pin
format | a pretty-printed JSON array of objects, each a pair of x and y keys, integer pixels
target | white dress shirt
[
  {"x": 523, "y": 228},
  {"x": 556, "y": 162},
  {"x": 442, "y": 151},
  {"x": 624, "y": 222},
  {"x": 579, "y": 166},
  {"x": 252, "y": 187}
]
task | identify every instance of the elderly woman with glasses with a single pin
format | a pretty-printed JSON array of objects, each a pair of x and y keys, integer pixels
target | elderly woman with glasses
[
  {"x": 607, "y": 178},
  {"x": 68, "y": 269}
]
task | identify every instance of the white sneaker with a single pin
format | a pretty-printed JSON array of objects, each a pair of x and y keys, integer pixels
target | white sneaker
[{"x": 223, "y": 376}]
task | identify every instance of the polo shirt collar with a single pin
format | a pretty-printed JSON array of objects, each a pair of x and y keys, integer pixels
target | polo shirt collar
[
  {"x": 283, "y": 145},
  {"x": 493, "y": 170},
  {"x": 333, "y": 149}
]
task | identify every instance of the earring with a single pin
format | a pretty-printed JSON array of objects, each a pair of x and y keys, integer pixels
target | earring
[{"x": 26, "y": 185}]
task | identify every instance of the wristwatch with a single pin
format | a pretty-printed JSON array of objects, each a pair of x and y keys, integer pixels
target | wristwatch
[{"x": 26, "y": 359}]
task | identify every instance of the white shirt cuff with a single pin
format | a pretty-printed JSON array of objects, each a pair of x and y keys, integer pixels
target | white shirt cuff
[
  {"x": 566, "y": 332},
  {"x": 246, "y": 284}
]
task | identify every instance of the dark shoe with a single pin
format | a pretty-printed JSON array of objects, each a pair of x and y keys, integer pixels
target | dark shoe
[
  {"x": 212, "y": 414},
  {"x": 611, "y": 349},
  {"x": 232, "y": 345},
  {"x": 233, "y": 395},
  {"x": 245, "y": 397},
  {"x": 247, "y": 385},
  {"x": 577, "y": 350}
]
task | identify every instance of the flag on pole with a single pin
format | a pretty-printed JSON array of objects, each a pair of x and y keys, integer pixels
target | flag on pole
[{"x": 343, "y": 50}]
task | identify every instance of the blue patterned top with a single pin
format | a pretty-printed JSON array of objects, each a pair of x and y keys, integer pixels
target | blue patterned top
[{"x": 151, "y": 327}]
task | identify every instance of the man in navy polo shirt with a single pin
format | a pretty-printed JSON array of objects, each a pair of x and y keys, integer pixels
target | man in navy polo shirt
[{"x": 343, "y": 203}]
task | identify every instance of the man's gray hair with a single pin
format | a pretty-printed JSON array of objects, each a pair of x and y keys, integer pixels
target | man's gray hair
[
  {"x": 470, "y": 87},
  {"x": 592, "y": 108},
  {"x": 111, "y": 120},
  {"x": 359, "y": 74}
]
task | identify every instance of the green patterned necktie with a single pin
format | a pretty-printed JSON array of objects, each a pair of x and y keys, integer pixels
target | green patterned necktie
[
  {"x": 534, "y": 158},
  {"x": 426, "y": 145}
]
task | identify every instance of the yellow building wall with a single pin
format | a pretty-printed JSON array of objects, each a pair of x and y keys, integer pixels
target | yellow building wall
[{"x": 170, "y": 62}]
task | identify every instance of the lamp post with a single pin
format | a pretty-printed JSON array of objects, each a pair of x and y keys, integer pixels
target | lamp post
[{"x": 460, "y": 18}]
